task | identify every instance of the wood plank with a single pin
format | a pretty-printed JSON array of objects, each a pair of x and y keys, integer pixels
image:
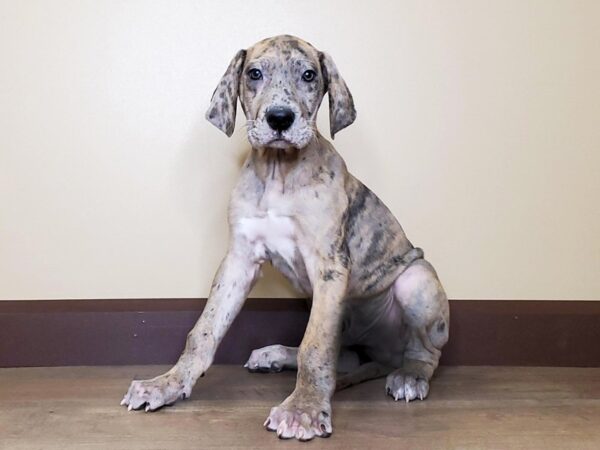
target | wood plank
[{"x": 469, "y": 408}]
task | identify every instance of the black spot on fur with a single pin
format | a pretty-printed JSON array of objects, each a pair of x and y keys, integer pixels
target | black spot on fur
[
  {"x": 372, "y": 285},
  {"x": 295, "y": 45},
  {"x": 356, "y": 205},
  {"x": 344, "y": 253},
  {"x": 330, "y": 274},
  {"x": 375, "y": 250}
]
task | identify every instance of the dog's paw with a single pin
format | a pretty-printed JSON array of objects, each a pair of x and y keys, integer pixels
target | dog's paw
[
  {"x": 153, "y": 394},
  {"x": 407, "y": 386},
  {"x": 268, "y": 359},
  {"x": 300, "y": 419}
]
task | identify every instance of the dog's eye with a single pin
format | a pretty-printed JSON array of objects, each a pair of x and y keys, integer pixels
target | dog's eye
[
  {"x": 255, "y": 74},
  {"x": 309, "y": 75}
]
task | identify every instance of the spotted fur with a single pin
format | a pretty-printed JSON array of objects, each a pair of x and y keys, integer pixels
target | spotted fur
[{"x": 296, "y": 206}]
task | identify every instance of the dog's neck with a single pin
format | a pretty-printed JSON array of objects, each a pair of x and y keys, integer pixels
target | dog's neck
[{"x": 277, "y": 163}]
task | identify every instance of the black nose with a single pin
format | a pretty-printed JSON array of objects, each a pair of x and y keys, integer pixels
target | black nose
[{"x": 280, "y": 118}]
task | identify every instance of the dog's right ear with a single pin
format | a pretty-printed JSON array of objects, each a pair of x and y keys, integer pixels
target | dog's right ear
[{"x": 223, "y": 104}]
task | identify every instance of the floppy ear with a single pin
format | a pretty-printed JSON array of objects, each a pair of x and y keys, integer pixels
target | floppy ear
[
  {"x": 223, "y": 104},
  {"x": 341, "y": 105}
]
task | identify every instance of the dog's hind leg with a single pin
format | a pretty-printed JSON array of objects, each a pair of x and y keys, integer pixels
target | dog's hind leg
[{"x": 425, "y": 311}]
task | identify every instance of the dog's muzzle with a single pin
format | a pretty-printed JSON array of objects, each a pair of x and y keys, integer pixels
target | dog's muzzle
[{"x": 280, "y": 126}]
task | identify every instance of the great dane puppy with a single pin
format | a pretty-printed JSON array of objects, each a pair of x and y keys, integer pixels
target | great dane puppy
[{"x": 375, "y": 301}]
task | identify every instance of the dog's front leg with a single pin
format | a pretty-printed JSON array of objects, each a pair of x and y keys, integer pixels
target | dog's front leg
[
  {"x": 306, "y": 413},
  {"x": 232, "y": 283}
]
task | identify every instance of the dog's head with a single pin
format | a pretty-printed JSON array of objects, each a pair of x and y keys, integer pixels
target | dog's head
[{"x": 281, "y": 82}]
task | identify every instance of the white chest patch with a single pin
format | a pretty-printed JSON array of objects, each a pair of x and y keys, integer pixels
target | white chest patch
[{"x": 270, "y": 232}]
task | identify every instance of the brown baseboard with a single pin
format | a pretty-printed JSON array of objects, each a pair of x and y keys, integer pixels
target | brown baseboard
[{"x": 153, "y": 331}]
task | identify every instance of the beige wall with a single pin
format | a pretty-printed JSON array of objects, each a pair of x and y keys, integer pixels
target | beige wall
[{"x": 479, "y": 125}]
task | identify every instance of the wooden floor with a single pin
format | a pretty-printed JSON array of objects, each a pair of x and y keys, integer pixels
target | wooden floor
[{"x": 468, "y": 408}]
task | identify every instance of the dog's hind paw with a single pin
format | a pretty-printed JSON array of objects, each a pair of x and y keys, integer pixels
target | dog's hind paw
[
  {"x": 273, "y": 358},
  {"x": 407, "y": 386}
]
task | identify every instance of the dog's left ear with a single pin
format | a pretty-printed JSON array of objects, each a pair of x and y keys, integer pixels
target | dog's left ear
[
  {"x": 341, "y": 105},
  {"x": 223, "y": 104}
]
